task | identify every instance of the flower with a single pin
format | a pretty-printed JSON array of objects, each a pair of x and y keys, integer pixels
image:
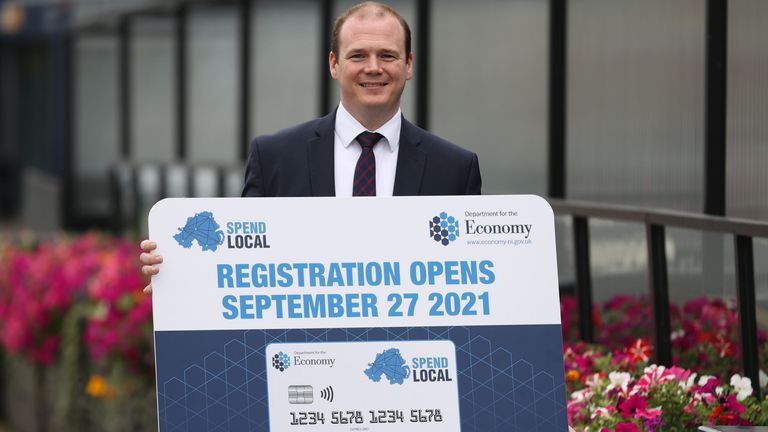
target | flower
[
  {"x": 572, "y": 375},
  {"x": 618, "y": 380},
  {"x": 98, "y": 387},
  {"x": 742, "y": 386},
  {"x": 619, "y": 390},
  {"x": 639, "y": 351},
  {"x": 627, "y": 427}
]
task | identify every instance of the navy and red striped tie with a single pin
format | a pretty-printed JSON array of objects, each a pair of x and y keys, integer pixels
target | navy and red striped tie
[{"x": 364, "y": 183}]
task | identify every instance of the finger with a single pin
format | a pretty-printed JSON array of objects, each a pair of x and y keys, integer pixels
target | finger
[
  {"x": 149, "y": 270},
  {"x": 148, "y": 289},
  {"x": 150, "y": 258},
  {"x": 148, "y": 245}
]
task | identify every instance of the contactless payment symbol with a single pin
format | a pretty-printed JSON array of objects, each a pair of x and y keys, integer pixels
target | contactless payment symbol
[
  {"x": 327, "y": 393},
  {"x": 444, "y": 228}
]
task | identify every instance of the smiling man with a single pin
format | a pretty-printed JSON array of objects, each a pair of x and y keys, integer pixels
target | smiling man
[{"x": 365, "y": 147}]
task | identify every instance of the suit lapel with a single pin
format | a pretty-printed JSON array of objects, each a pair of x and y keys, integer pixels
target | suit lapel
[
  {"x": 410, "y": 162},
  {"x": 320, "y": 154}
]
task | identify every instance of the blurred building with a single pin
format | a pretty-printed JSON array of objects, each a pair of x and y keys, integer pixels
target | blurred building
[{"x": 108, "y": 106}]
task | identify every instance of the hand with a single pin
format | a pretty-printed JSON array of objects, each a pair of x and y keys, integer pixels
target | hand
[{"x": 150, "y": 261}]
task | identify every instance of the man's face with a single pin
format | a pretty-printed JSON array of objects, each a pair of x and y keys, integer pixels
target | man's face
[{"x": 372, "y": 65}]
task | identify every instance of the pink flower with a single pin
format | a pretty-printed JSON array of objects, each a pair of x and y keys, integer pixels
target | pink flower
[
  {"x": 633, "y": 405},
  {"x": 708, "y": 384},
  {"x": 627, "y": 427}
]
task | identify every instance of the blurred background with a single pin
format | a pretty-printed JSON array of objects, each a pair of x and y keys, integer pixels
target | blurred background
[{"x": 106, "y": 106}]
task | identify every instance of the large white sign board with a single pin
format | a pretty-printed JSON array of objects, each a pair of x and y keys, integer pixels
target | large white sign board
[{"x": 375, "y": 314}]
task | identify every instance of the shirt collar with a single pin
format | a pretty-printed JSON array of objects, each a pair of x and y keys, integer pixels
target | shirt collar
[{"x": 348, "y": 128}]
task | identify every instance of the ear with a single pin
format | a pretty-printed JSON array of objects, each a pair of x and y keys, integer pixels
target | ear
[
  {"x": 333, "y": 64},
  {"x": 409, "y": 66}
]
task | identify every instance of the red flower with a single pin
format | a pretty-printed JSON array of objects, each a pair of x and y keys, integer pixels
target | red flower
[{"x": 639, "y": 351}]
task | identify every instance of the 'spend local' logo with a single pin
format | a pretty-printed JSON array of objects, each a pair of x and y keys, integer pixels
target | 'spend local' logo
[
  {"x": 390, "y": 364},
  {"x": 203, "y": 228},
  {"x": 281, "y": 361},
  {"x": 444, "y": 229}
]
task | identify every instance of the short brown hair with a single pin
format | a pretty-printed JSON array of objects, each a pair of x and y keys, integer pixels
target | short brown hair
[{"x": 379, "y": 10}]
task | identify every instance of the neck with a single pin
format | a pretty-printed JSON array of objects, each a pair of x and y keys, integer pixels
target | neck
[{"x": 372, "y": 119}]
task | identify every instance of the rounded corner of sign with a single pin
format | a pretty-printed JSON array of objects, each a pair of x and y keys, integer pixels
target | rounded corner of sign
[
  {"x": 543, "y": 202},
  {"x": 157, "y": 207}
]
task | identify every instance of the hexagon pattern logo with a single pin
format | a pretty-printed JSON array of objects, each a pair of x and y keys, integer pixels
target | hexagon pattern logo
[
  {"x": 444, "y": 228},
  {"x": 281, "y": 361}
]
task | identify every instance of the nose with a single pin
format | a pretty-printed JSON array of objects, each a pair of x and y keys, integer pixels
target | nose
[{"x": 373, "y": 66}]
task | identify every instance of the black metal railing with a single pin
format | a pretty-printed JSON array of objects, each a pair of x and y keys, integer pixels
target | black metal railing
[{"x": 656, "y": 222}]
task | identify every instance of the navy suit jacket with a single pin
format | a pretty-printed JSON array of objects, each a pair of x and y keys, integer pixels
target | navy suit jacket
[{"x": 298, "y": 161}]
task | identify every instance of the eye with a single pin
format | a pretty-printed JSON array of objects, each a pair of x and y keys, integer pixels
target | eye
[
  {"x": 389, "y": 57},
  {"x": 357, "y": 56}
]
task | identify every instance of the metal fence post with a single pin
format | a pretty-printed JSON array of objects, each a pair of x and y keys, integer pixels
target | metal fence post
[
  {"x": 583, "y": 278},
  {"x": 659, "y": 294},
  {"x": 745, "y": 280}
]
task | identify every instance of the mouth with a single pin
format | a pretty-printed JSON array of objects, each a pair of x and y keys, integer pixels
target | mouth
[{"x": 373, "y": 85}]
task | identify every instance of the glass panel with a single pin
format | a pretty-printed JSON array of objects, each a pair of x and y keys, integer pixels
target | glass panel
[
  {"x": 489, "y": 87},
  {"x": 747, "y": 134},
  {"x": 705, "y": 330},
  {"x": 619, "y": 263},
  {"x": 285, "y": 63},
  {"x": 95, "y": 146},
  {"x": 213, "y": 82},
  {"x": 565, "y": 258},
  {"x": 700, "y": 264},
  {"x": 153, "y": 89},
  {"x": 636, "y": 102},
  {"x": 569, "y": 313}
]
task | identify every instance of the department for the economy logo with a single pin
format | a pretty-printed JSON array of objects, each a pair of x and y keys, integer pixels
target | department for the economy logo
[
  {"x": 204, "y": 229},
  {"x": 444, "y": 228},
  {"x": 281, "y": 361}
]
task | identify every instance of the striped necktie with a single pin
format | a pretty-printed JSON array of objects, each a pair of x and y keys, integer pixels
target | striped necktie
[{"x": 364, "y": 183}]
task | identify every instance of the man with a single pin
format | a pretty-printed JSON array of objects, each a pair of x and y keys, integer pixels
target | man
[{"x": 365, "y": 147}]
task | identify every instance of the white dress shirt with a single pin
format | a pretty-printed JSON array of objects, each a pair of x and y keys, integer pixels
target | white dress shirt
[{"x": 346, "y": 151}]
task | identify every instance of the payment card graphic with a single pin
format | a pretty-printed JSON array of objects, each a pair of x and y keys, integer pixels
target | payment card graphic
[{"x": 363, "y": 386}]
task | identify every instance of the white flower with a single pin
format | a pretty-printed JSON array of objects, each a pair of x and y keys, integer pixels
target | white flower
[
  {"x": 688, "y": 383},
  {"x": 600, "y": 412},
  {"x": 704, "y": 379},
  {"x": 763, "y": 379},
  {"x": 618, "y": 380},
  {"x": 742, "y": 386},
  {"x": 719, "y": 390},
  {"x": 580, "y": 395},
  {"x": 677, "y": 334}
]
